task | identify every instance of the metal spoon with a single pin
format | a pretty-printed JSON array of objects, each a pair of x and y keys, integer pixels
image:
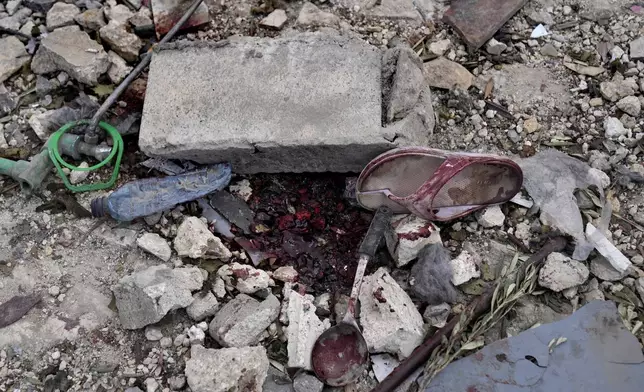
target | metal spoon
[{"x": 340, "y": 354}]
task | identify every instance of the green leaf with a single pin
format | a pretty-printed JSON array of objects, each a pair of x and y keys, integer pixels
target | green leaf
[
  {"x": 473, "y": 345},
  {"x": 103, "y": 90}
]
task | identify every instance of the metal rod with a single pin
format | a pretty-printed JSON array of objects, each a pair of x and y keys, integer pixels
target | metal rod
[
  {"x": 480, "y": 305},
  {"x": 91, "y": 135}
]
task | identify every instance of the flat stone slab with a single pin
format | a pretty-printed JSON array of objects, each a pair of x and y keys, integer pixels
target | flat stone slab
[{"x": 307, "y": 103}]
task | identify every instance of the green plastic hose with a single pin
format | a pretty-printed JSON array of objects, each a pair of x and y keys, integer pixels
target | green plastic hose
[{"x": 56, "y": 158}]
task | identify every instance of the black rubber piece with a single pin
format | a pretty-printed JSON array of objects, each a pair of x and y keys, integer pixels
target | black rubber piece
[{"x": 375, "y": 235}]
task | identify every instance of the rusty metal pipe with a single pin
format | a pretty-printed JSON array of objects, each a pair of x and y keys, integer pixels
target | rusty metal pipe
[{"x": 481, "y": 304}]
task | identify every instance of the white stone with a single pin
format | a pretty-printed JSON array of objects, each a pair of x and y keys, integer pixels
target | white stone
[
  {"x": 194, "y": 240},
  {"x": 637, "y": 49},
  {"x": 118, "y": 13},
  {"x": 13, "y": 56},
  {"x": 203, "y": 306},
  {"x": 165, "y": 342},
  {"x": 242, "y": 189},
  {"x": 304, "y": 327},
  {"x": 567, "y": 10},
  {"x": 413, "y": 234},
  {"x": 630, "y": 105},
  {"x": 118, "y": 68},
  {"x": 491, "y": 217},
  {"x": 227, "y": 369},
  {"x": 12, "y": 6},
  {"x": 275, "y": 19},
  {"x": 146, "y": 296},
  {"x": 54, "y": 291},
  {"x": 151, "y": 385},
  {"x": 243, "y": 320},
  {"x": 495, "y": 47},
  {"x": 177, "y": 383},
  {"x": 61, "y": 14},
  {"x": 560, "y": 272},
  {"x": 219, "y": 288},
  {"x": 244, "y": 278},
  {"x": 601, "y": 268},
  {"x": 153, "y": 333},
  {"x": 286, "y": 274},
  {"x": 464, "y": 268},
  {"x": 196, "y": 335},
  {"x": 390, "y": 321},
  {"x": 310, "y": 15},
  {"x": 440, "y": 47},
  {"x": 155, "y": 245},
  {"x": 55, "y": 355},
  {"x": 613, "y": 128}
]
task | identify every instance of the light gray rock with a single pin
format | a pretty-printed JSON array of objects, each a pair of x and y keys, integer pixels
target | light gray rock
[
  {"x": 204, "y": 305},
  {"x": 403, "y": 87},
  {"x": 72, "y": 51},
  {"x": 276, "y": 381},
  {"x": 242, "y": 321},
  {"x": 302, "y": 120},
  {"x": 78, "y": 176},
  {"x": 275, "y": 20},
  {"x": 445, "y": 74},
  {"x": 601, "y": 268},
  {"x": 464, "y": 268},
  {"x": 305, "y": 382},
  {"x": 119, "y": 69},
  {"x": 630, "y": 105},
  {"x": 413, "y": 234},
  {"x": 28, "y": 28},
  {"x": 542, "y": 17},
  {"x": 16, "y": 20},
  {"x": 126, "y": 44},
  {"x": 437, "y": 315},
  {"x": 12, "y": 6},
  {"x": 146, "y": 296},
  {"x": 286, "y": 274},
  {"x": 13, "y": 56},
  {"x": 142, "y": 18},
  {"x": 61, "y": 14},
  {"x": 637, "y": 49},
  {"x": 613, "y": 128},
  {"x": 304, "y": 327},
  {"x": 39, "y": 5},
  {"x": 196, "y": 336},
  {"x": 227, "y": 369},
  {"x": 177, "y": 383},
  {"x": 549, "y": 50},
  {"x": 491, "y": 217},
  {"x": 194, "y": 240},
  {"x": 440, "y": 47},
  {"x": 560, "y": 272},
  {"x": 495, "y": 47},
  {"x": 409, "y": 10},
  {"x": 244, "y": 278},
  {"x": 118, "y": 13},
  {"x": 93, "y": 19},
  {"x": 390, "y": 321},
  {"x": 528, "y": 312},
  {"x": 311, "y": 15},
  {"x": 153, "y": 333},
  {"x": 156, "y": 245},
  {"x": 615, "y": 90}
]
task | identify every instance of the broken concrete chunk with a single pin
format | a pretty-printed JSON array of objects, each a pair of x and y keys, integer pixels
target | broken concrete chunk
[
  {"x": 166, "y": 11},
  {"x": 390, "y": 321},
  {"x": 16, "y": 20},
  {"x": 72, "y": 51},
  {"x": 118, "y": 68},
  {"x": 446, "y": 74},
  {"x": 275, "y": 19},
  {"x": 314, "y": 77},
  {"x": 61, "y": 14},
  {"x": 601, "y": 268},
  {"x": 464, "y": 268},
  {"x": 286, "y": 274},
  {"x": 146, "y": 296},
  {"x": 404, "y": 81},
  {"x": 153, "y": 333},
  {"x": 227, "y": 369},
  {"x": 13, "y": 56},
  {"x": 437, "y": 315},
  {"x": 244, "y": 278},
  {"x": 118, "y": 13},
  {"x": 305, "y": 382},
  {"x": 194, "y": 240},
  {"x": 126, "y": 44},
  {"x": 413, "y": 234},
  {"x": 311, "y": 15},
  {"x": 242, "y": 321},
  {"x": 495, "y": 47},
  {"x": 409, "y": 10},
  {"x": 203, "y": 306},
  {"x": 584, "y": 70},
  {"x": 491, "y": 217},
  {"x": 304, "y": 327},
  {"x": 92, "y": 19},
  {"x": 607, "y": 249},
  {"x": 478, "y": 20},
  {"x": 560, "y": 272},
  {"x": 440, "y": 47},
  {"x": 156, "y": 245},
  {"x": 616, "y": 90},
  {"x": 637, "y": 49},
  {"x": 196, "y": 336},
  {"x": 39, "y": 5},
  {"x": 630, "y": 105}
]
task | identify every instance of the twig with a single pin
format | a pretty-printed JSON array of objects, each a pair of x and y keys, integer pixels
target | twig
[{"x": 480, "y": 305}]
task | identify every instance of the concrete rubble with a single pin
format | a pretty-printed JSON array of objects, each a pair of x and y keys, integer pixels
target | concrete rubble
[
  {"x": 118, "y": 68},
  {"x": 194, "y": 240},
  {"x": 304, "y": 327},
  {"x": 124, "y": 43},
  {"x": 13, "y": 56},
  {"x": 275, "y": 19},
  {"x": 491, "y": 217},
  {"x": 464, "y": 268},
  {"x": 446, "y": 74},
  {"x": 146, "y": 296},
  {"x": 245, "y": 278},
  {"x": 227, "y": 369},
  {"x": 413, "y": 234},
  {"x": 390, "y": 321},
  {"x": 92, "y": 19},
  {"x": 242, "y": 321},
  {"x": 72, "y": 51},
  {"x": 156, "y": 245},
  {"x": 560, "y": 272},
  {"x": 204, "y": 305},
  {"x": 60, "y": 15},
  {"x": 310, "y": 15}
]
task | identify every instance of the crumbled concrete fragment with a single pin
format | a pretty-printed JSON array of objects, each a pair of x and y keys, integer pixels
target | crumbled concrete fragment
[
  {"x": 304, "y": 327},
  {"x": 153, "y": 333},
  {"x": 244, "y": 278},
  {"x": 305, "y": 382},
  {"x": 495, "y": 47},
  {"x": 13, "y": 56},
  {"x": 242, "y": 321},
  {"x": 204, "y": 305},
  {"x": 118, "y": 68},
  {"x": 613, "y": 128},
  {"x": 560, "y": 272},
  {"x": 413, "y": 234},
  {"x": 196, "y": 335},
  {"x": 630, "y": 105},
  {"x": 275, "y": 19},
  {"x": 92, "y": 19},
  {"x": 126, "y": 44},
  {"x": 227, "y": 369},
  {"x": 194, "y": 240},
  {"x": 464, "y": 268},
  {"x": 391, "y": 323},
  {"x": 61, "y": 14},
  {"x": 445, "y": 74},
  {"x": 286, "y": 274},
  {"x": 311, "y": 15},
  {"x": 491, "y": 217},
  {"x": 156, "y": 245},
  {"x": 437, "y": 315}
]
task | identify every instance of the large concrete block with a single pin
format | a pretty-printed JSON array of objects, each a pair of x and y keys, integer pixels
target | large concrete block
[{"x": 311, "y": 102}]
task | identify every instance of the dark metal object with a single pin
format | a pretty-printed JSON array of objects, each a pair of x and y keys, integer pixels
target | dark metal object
[
  {"x": 13, "y": 310},
  {"x": 340, "y": 354},
  {"x": 92, "y": 136},
  {"x": 481, "y": 304},
  {"x": 477, "y": 20}
]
